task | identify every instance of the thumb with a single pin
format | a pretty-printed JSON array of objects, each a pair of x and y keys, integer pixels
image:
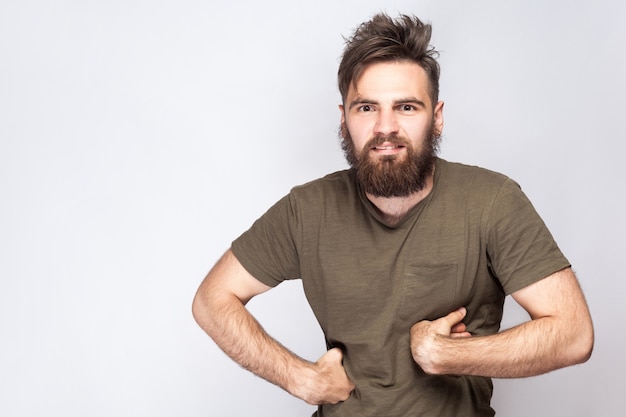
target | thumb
[
  {"x": 332, "y": 356},
  {"x": 455, "y": 317}
]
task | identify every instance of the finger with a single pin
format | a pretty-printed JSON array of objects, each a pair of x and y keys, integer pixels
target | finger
[
  {"x": 455, "y": 317},
  {"x": 458, "y": 328}
]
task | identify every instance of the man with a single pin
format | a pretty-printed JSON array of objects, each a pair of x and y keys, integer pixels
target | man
[{"x": 405, "y": 259}]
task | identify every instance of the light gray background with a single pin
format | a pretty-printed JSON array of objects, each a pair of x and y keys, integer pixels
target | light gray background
[{"x": 138, "y": 138}]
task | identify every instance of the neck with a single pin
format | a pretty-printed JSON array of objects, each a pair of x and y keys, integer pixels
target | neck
[{"x": 393, "y": 209}]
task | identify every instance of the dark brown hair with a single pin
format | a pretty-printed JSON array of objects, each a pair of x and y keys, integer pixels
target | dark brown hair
[{"x": 384, "y": 39}]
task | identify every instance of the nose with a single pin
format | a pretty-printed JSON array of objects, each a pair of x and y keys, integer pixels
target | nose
[{"x": 386, "y": 123}]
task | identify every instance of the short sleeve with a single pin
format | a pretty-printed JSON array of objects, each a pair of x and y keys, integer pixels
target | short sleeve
[
  {"x": 520, "y": 247},
  {"x": 268, "y": 249}
]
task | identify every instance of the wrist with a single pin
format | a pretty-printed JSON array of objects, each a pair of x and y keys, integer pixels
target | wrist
[
  {"x": 427, "y": 355},
  {"x": 301, "y": 380}
]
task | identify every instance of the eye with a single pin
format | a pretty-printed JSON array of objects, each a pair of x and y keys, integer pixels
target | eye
[
  {"x": 365, "y": 108},
  {"x": 407, "y": 107}
]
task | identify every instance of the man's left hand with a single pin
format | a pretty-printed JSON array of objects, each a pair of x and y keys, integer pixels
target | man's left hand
[{"x": 425, "y": 337}]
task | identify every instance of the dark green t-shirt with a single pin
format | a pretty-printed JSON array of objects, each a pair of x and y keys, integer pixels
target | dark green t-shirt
[{"x": 474, "y": 239}]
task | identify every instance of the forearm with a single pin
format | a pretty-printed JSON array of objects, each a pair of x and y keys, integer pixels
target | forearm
[
  {"x": 219, "y": 308},
  {"x": 241, "y": 337},
  {"x": 560, "y": 333},
  {"x": 532, "y": 348}
]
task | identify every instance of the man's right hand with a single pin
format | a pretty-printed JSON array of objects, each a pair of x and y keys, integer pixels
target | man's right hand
[
  {"x": 328, "y": 383},
  {"x": 219, "y": 308}
]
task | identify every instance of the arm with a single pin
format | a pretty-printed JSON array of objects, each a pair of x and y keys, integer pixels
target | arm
[
  {"x": 219, "y": 308},
  {"x": 559, "y": 334}
]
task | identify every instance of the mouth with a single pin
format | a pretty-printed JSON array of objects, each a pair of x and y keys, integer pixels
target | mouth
[{"x": 387, "y": 148}]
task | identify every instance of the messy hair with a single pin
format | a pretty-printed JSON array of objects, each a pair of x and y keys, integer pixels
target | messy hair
[{"x": 384, "y": 39}]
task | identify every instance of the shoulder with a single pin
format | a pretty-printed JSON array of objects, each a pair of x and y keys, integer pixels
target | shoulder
[
  {"x": 475, "y": 189},
  {"x": 305, "y": 200},
  {"x": 463, "y": 173},
  {"x": 341, "y": 178},
  {"x": 462, "y": 179},
  {"x": 337, "y": 184}
]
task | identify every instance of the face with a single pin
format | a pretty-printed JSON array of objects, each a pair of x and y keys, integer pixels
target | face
[{"x": 390, "y": 129}]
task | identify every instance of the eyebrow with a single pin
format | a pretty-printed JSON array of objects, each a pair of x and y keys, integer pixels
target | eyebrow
[{"x": 405, "y": 100}]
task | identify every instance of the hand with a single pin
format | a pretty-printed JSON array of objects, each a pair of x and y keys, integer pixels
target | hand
[
  {"x": 426, "y": 335},
  {"x": 330, "y": 383}
]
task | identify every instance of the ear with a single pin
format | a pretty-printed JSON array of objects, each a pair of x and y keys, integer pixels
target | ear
[
  {"x": 343, "y": 114},
  {"x": 438, "y": 118}
]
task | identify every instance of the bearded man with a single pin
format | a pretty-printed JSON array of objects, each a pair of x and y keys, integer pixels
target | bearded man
[{"x": 405, "y": 259}]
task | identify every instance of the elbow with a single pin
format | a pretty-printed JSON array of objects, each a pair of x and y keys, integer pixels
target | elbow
[
  {"x": 210, "y": 309},
  {"x": 204, "y": 314},
  {"x": 582, "y": 347},
  {"x": 196, "y": 308},
  {"x": 587, "y": 347},
  {"x": 200, "y": 309}
]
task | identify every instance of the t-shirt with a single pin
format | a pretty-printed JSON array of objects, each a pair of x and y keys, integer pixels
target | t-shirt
[{"x": 474, "y": 239}]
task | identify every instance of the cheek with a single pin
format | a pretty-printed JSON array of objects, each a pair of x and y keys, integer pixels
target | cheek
[
  {"x": 416, "y": 132},
  {"x": 360, "y": 133}
]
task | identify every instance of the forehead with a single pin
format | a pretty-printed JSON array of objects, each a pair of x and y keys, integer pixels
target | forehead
[{"x": 389, "y": 80}]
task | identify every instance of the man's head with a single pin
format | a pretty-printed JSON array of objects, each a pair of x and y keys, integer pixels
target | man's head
[
  {"x": 384, "y": 39},
  {"x": 390, "y": 118}
]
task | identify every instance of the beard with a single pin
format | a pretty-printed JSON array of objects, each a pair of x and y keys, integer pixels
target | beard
[{"x": 392, "y": 175}]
